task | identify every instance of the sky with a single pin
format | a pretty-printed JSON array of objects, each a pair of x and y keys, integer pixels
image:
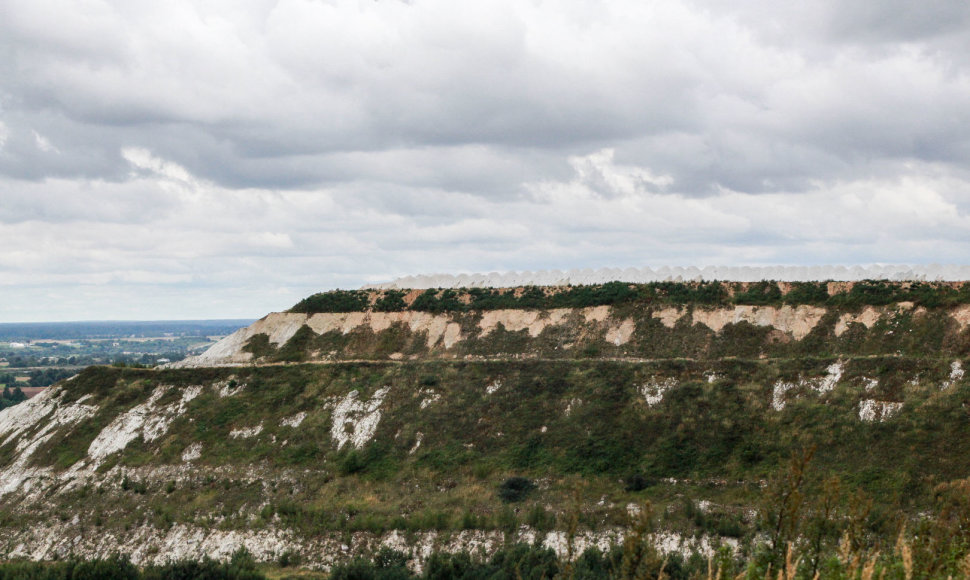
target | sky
[{"x": 221, "y": 159}]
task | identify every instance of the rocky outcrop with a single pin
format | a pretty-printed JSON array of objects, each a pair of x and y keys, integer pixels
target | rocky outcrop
[{"x": 445, "y": 334}]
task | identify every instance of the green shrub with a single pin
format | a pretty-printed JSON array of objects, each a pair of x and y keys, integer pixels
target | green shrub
[
  {"x": 760, "y": 293},
  {"x": 259, "y": 346},
  {"x": 391, "y": 301},
  {"x": 639, "y": 482},
  {"x": 333, "y": 301},
  {"x": 807, "y": 293},
  {"x": 515, "y": 489},
  {"x": 387, "y": 564},
  {"x": 766, "y": 292}
]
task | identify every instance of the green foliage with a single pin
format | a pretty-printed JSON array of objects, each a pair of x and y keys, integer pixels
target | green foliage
[
  {"x": 807, "y": 293},
  {"x": 375, "y": 460},
  {"x": 638, "y": 482},
  {"x": 241, "y": 566},
  {"x": 763, "y": 292},
  {"x": 391, "y": 301},
  {"x": 438, "y": 301},
  {"x": 515, "y": 489},
  {"x": 598, "y": 295},
  {"x": 114, "y": 567},
  {"x": 333, "y": 301},
  {"x": 11, "y": 397},
  {"x": 295, "y": 349},
  {"x": 715, "y": 522},
  {"x": 705, "y": 293},
  {"x": 691, "y": 293},
  {"x": 387, "y": 564},
  {"x": 573, "y": 425},
  {"x": 259, "y": 345},
  {"x": 128, "y": 484}
]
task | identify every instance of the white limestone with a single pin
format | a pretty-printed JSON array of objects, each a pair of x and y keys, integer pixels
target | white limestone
[
  {"x": 653, "y": 390},
  {"x": 833, "y": 373},
  {"x": 279, "y": 326},
  {"x": 294, "y": 421},
  {"x": 871, "y": 410},
  {"x": 229, "y": 388},
  {"x": 246, "y": 432},
  {"x": 192, "y": 452},
  {"x": 356, "y": 421},
  {"x": 821, "y": 385},
  {"x": 956, "y": 373},
  {"x": 31, "y": 424},
  {"x": 418, "y": 437},
  {"x": 572, "y": 404},
  {"x": 147, "y": 420},
  {"x": 429, "y": 397}
]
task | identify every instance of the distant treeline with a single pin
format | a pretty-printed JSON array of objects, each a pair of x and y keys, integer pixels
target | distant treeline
[
  {"x": 864, "y": 293},
  {"x": 116, "y": 329},
  {"x": 10, "y": 397}
]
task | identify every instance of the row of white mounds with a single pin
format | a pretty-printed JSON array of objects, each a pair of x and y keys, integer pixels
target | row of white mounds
[{"x": 512, "y": 279}]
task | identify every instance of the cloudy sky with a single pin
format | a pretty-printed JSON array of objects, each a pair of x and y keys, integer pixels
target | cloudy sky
[{"x": 226, "y": 158}]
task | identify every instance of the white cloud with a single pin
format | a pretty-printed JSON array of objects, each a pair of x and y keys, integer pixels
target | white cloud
[{"x": 294, "y": 145}]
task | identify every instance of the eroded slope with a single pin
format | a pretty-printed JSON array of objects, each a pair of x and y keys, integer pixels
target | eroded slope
[
  {"x": 597, "y": 332},
  {"x": 340, "y": 458}
]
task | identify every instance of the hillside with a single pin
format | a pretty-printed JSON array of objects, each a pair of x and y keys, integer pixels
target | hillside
[
  {"x": 612, "y": 321},
  {"x": 465, "y": 420}
]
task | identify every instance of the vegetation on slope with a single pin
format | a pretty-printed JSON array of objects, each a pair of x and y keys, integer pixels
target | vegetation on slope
[
  {"x": 727, "y": 434},
  {"x": 801, "y": 546},
  {"x": 453, "y": 435}
]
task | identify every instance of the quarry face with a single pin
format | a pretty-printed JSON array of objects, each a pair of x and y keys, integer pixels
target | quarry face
[{"x": 330, "y": 434}]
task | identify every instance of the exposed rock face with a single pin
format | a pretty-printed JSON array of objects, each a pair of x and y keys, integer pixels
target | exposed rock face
[
  {"x": 445, "y": 334},
  {"x": 192, "y": 460},
  {"x": 147, "y": 545}
]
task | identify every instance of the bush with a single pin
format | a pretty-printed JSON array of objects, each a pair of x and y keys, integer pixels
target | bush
[
  {"x": 515, "y": 489},
  {"x": 387, "y": 564},
  {"x": 638, "y": 482},
  {"x": 760, "y": 293},
  {"x": 807, "y": 293},
  {"x": 391, "y": 301},
  {"x": 333, "y": 301},
  {"x": 289, "y": 558},
  {"x": 766, "y": 292}
]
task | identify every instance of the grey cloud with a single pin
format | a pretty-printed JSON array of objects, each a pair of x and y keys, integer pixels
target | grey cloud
[
  {"x": 899, "y": 20},
  {"x": 272, "y": 96},
  {"x": 292, "y": 146}
]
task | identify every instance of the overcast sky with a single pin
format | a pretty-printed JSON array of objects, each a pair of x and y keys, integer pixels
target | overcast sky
[{"x": 226, "y": 158}]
